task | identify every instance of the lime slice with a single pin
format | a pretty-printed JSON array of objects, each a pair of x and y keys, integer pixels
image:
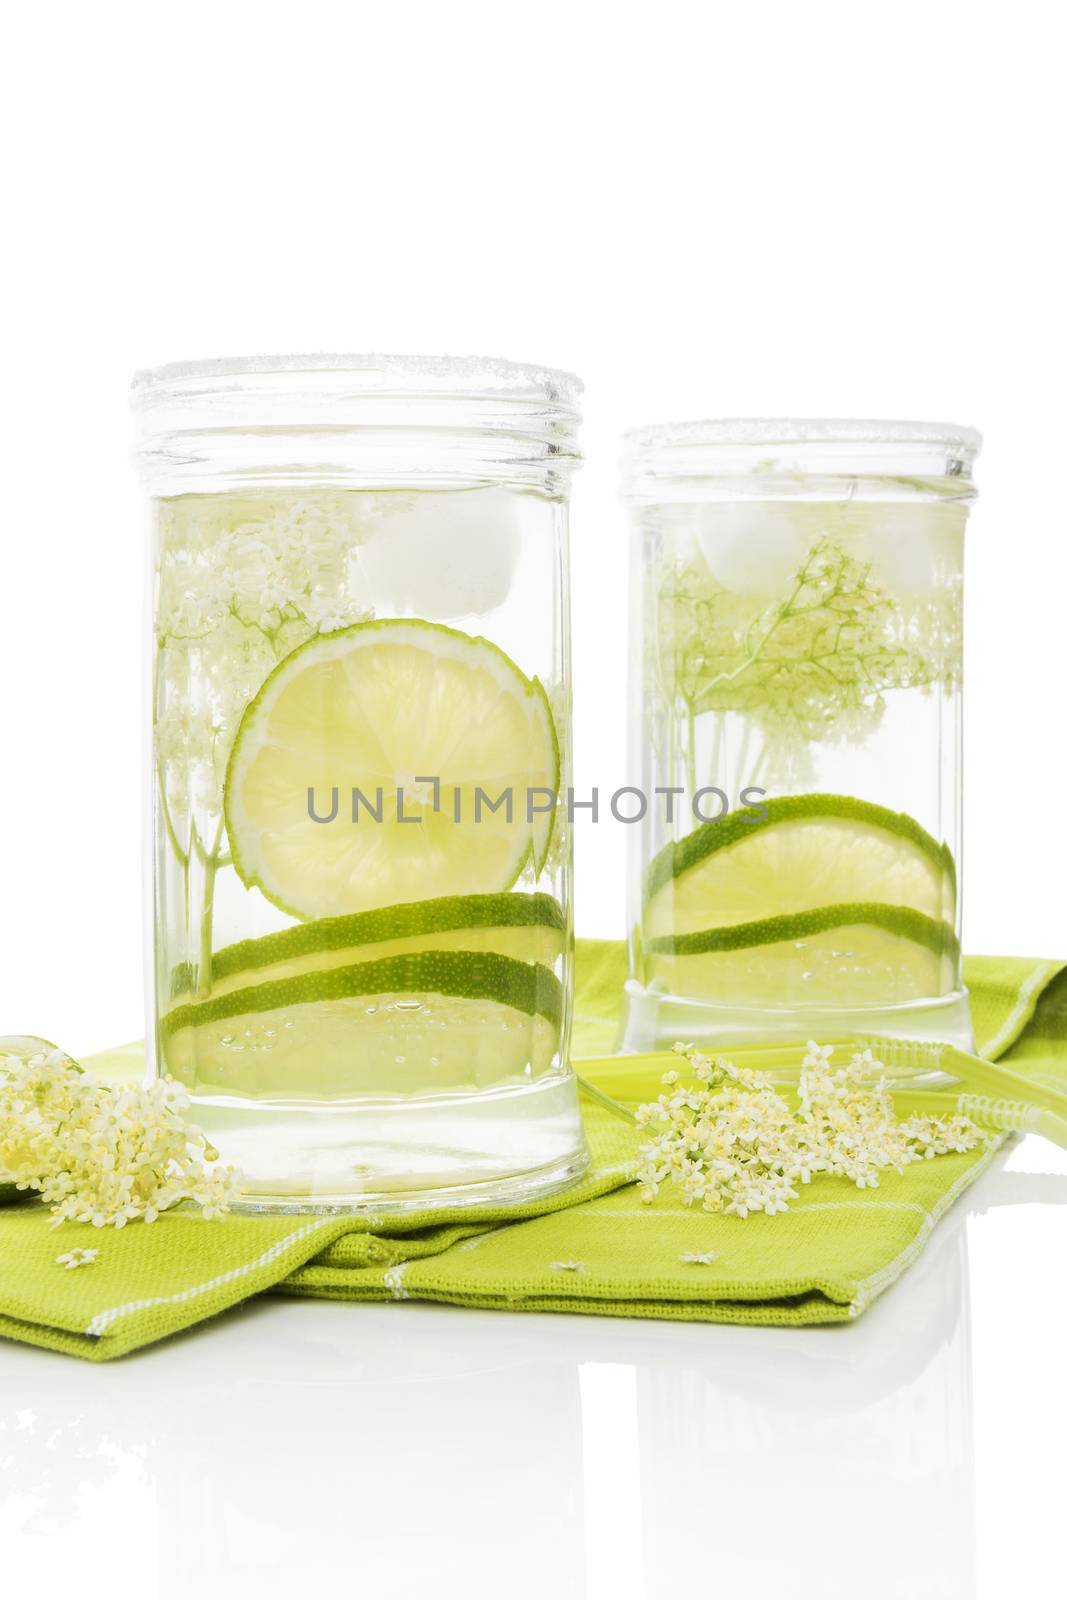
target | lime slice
[
  {"x": 841, "y": 955},
  {"x": 27, "y": 1045},
  {"x": 527, "y": 927},
  {"x": 378, "y": 707},
  {"x": 434, "y": 1022},
  {"x": 809, "y": 851}
]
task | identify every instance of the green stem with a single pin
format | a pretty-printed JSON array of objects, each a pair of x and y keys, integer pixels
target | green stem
[
  {"x": 168, "y": 824},
  {"x": 716, "y": 752},
  {"x": 213, "y": 860},
  {"x": 690, "y": 749},
  {"x": 783, "y": 613},
  {"x": 186, "y": 890},
  {"x": 207, "y": 927},
  {"x": 742, "y": 754},
  {"x": 616, "y": 1108}
]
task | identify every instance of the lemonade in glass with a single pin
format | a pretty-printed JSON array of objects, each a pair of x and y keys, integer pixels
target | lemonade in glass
[
  {"x": 360, "y": 705},
  {"x": 798, "y": 676}
]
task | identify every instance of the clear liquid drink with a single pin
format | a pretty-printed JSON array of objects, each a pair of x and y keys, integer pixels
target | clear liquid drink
[
  {"x": 797, "y": 720},
  {"x": 360, "y": 721}
]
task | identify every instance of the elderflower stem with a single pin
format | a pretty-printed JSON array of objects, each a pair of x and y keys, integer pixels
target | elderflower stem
[
  {"x": 742, "y": 754},
  {"x": 784, "y": 612},
  {"x": 207, "y": 929},
  {"x": 616, "y": 1108},
  {"x": 212, "y": 861},
  {"x": 690, "y": 747},
  {"x": 168, "y": 823},
  {"x": 757, "y": 768}
]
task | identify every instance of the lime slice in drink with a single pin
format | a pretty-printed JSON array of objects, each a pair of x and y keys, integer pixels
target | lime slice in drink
[
  {"x": 841, "y": 955},
  {"x": 356, "y": 715},
  {"x": 797, "y": 853},
  {"x": 527, "y": 927},
  {"x": 441, "y": 1019}
]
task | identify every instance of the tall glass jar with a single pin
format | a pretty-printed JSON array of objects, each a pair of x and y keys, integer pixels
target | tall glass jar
[
  {"x": 798, "y": 592},
  {"x": 361, "y": 922}
]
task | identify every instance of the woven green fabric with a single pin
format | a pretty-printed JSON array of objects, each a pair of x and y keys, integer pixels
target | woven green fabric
[{"x": 596, "y": 1248}]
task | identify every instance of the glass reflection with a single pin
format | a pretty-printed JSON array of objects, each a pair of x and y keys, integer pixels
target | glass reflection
[{"x": 486, "y": 1454}]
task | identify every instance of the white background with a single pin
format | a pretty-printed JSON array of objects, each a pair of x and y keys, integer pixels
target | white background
[{"x": 707, "y": 209}]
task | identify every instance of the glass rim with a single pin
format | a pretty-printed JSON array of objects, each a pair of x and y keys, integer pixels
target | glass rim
[
  {"x": 376, "y": 374},
  {"x": 386, "y": 420},
  {"x": 797, "y": 457},
  {"x": 742, "y": 431}
]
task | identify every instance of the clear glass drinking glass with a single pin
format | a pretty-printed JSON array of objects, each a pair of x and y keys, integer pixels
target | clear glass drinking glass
[
  {"x": 798, "y": 592},
  {"x": 361, "y": 916}
]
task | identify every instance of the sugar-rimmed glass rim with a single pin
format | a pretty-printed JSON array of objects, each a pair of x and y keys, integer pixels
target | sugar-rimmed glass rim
[
  {"x": 381, "y": 373},
  {"x": 805, "y": 430},
  {"x": 790, "y": 455},
  {"x": 359, "y": 419}
]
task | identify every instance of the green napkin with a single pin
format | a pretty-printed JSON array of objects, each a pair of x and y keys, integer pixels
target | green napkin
[{"x": 596, "y": 1248}]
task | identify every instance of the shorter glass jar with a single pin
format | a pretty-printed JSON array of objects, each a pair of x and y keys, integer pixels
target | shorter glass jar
[{"x": 796, "y": 726}]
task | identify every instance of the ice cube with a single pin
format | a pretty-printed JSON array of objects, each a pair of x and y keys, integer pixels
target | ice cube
[
  {"x": 754, "y": 547},
  {"x": 438, "y": 554},
  {"x": 913, "y": 546}
]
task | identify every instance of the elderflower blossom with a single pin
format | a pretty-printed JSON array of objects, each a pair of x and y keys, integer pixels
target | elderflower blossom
[
  {"x": 812, "y": 664},
  {"x": 99, "y": 1153},
  {"x": 732, "y": 1143},
  {"x": 76, "y": 1258},
  {"x": 242, "y": 581}
]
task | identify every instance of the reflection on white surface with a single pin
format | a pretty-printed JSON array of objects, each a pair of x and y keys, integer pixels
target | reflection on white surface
[
  {"x": 843, "y": 1462},
  {"x": 417, "y": 1450}
]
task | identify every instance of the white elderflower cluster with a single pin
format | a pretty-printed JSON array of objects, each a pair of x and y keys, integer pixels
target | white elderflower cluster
[
  {"x": 242, "y": 581},
  {"x": 100, "y": 1153},
  {"x": 732, "y": 1143},
  {"x": 260, "y": 559}
]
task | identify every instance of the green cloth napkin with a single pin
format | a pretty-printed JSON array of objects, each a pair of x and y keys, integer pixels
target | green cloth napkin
[{"x": 596, "y": 1248}]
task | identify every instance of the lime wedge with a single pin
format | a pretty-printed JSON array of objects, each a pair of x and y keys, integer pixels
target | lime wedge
[
  {"x": 445, "y": 1020},
  {"x": 808, "y": 851},
  {"x": 841, "y": 955},
  {"x": 527, "y": 927},
  {"x": 378, "y": 707}
]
